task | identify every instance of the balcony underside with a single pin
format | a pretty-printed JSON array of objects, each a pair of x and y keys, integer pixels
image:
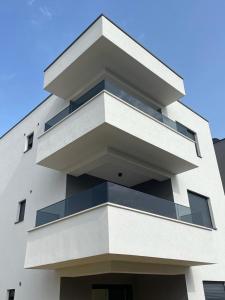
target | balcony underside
[
  {"x": 106, "y": 48},
  {"x": 107, "y": 151},
  {"x": 111, "y": 233},
  {"x": 107, "y": 137},
  {"x": 119, "y": 264}
]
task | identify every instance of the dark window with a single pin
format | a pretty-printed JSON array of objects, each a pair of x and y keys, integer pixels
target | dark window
[
  {"x": 112, "y": 292},
  {"x": 11, "y": 294},
  {"x": 191, "y": 134},
  {"x": 200, "y": 210},
  {"x": 22, "y": 206},
  {"x": 29, "y": 142},
  {"x": 214, "y": 290}
]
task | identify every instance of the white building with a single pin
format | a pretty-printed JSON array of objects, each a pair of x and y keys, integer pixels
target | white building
[{"x": 143, "y": 215}]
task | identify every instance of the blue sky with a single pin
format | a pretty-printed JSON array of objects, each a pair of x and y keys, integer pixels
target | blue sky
[{"x": 188, "y": 35}]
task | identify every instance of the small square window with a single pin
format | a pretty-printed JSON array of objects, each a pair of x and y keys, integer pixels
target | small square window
[
  {"x": 29, "y": 142},
  {"x": 21, "y": 211},
  {"x": 11, "y": 294}
]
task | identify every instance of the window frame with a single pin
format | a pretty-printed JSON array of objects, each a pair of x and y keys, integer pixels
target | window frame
[
  {"x": 8, "y": 294},
  {"x": 19, "y": 210},
  {"x": 27, "y": 146},
  {"x": 208, "y": 200},
  {"x": 196, "y": 141},
  {"x": 205, "y": 282}
]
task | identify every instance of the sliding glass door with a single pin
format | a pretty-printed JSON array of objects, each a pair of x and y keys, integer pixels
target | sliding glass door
[{"x": 112, "y": 292}]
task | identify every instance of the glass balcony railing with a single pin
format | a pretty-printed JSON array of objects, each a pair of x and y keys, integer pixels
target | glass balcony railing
[
  {"x": 74, "y": 105},
  {"x": 108, "y": 192},
  {"x": 106, "y": 85}
]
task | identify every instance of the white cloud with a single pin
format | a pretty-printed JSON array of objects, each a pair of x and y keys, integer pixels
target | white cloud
[
  {"x": 45, "y": 12},
  {"x": 30, "y": 2}
]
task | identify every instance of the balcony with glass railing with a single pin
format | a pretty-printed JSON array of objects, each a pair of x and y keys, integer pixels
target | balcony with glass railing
[
  {"x": 108, "y": 192},
  {"x": 115, "y": 90},
  {"x": 110, "y": 222},
  {"x": 116, "y": 119}
]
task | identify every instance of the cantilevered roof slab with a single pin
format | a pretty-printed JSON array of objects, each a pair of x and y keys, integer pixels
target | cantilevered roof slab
[{"x": 104, "y": 47}]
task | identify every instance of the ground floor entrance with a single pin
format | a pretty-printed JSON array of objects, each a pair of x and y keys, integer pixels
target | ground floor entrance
[
  {"x": 124, "y": 287},
  {"x": 111, "y": 292}
]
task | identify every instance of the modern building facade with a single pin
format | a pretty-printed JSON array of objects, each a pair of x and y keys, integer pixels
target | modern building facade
[{"x": 110, "y": 188}]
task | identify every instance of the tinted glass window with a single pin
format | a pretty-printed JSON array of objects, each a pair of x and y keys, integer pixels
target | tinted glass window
[
  {"x": 214, "y": 290},
  {"x": 191, "y": 134},
  {"x": 30, "y": 141},
  {"x": 22, "y": 206},
  {"x": 112, "y": 292},
  {"x": 200, "y": 210},
  {"x": 11, "y": 294}
]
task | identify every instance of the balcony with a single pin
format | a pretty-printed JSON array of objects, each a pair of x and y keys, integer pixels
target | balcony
[
  {"x": 120, "y": 195},
  {"x": 107, "y": 131},
  {"x": 105, "y": 47},
  {"x": 116, "y": 90},
  {"x": 110, "y": 221}
]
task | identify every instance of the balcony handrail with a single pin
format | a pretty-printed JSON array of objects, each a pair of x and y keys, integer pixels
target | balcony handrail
[
  {"x": 109, "y": 192},
  {"x": 115, "y": 90}
]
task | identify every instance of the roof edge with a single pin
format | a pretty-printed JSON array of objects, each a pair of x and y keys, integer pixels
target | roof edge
[
  {"x": 217, "y": 140},
  {"x": 188, "y": 107},
  {"x": 23, "y": 118},
  {"x": 102, "y": 15}
]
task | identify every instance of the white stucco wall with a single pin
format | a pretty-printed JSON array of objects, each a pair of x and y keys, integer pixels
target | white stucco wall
[
  {"x": 57, "y": 77},
  {"x": 19, "y": 175},
  {"x": 109, "y": 229},
  {"x": 135, "y": 130},
  {"x": 204, "y": 180}
]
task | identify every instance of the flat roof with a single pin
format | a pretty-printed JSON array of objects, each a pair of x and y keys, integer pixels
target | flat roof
[
  {"x": 23, "y": 118},
  {"x": 216, "y": 140},
  {"x": 102, "y": 15}
]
